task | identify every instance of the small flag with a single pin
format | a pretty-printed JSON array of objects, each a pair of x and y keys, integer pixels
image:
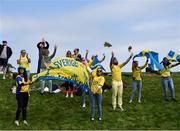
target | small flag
[{"x": 107, "y": 44}]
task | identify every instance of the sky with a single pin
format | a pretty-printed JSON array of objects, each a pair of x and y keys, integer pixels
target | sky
[{"x": 87, "y": 24}]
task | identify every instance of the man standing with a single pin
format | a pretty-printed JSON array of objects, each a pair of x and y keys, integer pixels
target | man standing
[
  {"x": 5, "y": 54},
  {"x": 41, "y": 45}
]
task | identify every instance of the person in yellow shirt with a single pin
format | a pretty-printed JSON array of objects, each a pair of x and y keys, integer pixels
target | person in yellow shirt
[
  {"x": 137, "y": 80},
  {"x": 167, "y": 81},
  {"x": 98, "y": 81},
  {"x": 24, "y": 61},
  {"x": 117, "y": 84},
  {"x": 22, "y": 96}
]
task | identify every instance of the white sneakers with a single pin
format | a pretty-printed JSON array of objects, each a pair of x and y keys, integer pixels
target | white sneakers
[
  {"x": 25, "y": 122},
  {"x": 17, "y": 122},
  {"x": 131, "y": 101},
  {"x": 67, "y": 95},
  {"x": 84, "y": 105},
  {"x": 4, "y": 77},
  {"x": 121, "y": 108}
]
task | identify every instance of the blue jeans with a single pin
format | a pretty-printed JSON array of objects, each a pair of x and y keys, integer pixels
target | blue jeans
[
  {"x": 136, "y": 84},
  {"x": 167, "y": 82},
  {"x": 96, "y": 98},
  {"x": 83, "y": 96}
]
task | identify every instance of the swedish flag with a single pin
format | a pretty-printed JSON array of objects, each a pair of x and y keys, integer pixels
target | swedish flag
[
  {"x": 172, "y": 56},
  {"x": 96, "y": 63},
  {"x": 154, "y": 59}
]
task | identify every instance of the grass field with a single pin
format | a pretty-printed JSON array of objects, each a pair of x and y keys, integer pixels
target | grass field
[{"x": 57, "y": 112}]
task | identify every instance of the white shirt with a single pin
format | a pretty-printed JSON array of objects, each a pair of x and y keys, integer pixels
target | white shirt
[{"x": 4, "y": 53}]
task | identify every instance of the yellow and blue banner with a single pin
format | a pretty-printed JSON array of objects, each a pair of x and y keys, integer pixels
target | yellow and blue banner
[
  {"x": 96, "y": 63},
  {"x": 66, "y": 69},
  {"x": 154, "y": 59},
  {"x": 172, "y": 56}
]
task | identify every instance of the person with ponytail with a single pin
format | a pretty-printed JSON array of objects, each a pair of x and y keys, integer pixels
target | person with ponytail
[{"x": 22, "y": 96}]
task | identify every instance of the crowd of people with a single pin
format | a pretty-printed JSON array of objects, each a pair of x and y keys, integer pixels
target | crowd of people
[{"x": 97, "y": 79}]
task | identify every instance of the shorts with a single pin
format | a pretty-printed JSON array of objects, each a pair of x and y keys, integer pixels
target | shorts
[{"x": 3, "y": 62}]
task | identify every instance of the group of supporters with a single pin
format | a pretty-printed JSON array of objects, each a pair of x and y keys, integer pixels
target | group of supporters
[{"x": 97, "y": 80}]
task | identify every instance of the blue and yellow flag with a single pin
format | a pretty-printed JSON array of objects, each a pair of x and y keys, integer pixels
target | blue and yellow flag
[
  {"x": 66, "y": 69},
  {"x": 154, "y": 59},
  {"x": 172, "y": 56},
  {"x": 96, "y": 63}
]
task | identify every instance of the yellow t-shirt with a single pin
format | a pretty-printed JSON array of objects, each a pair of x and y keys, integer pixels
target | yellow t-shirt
[
  {"x": 166, "y": 71},
  {"x": 137, "y": 73},
  {"x": 20, "y": 80},
  {"x": 26, "y": 87},
  {"x": 116, "y": 72},
  {"x": 97, "y": 81},
  {"x": 24, "y": 62}
]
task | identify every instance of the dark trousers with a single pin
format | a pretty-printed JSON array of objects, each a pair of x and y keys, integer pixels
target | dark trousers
[
  {"x": 39, "y": 66},
  {"x": 22, "y": 102}
]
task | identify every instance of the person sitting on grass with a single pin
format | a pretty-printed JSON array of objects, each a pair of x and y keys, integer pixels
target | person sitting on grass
[
  {"x": 137, "y": 80},
  {"x": 98, "y": 81},
  {"x": 117, "y": 84},
  {"x": 22, "y": 96},
  {"x": 167, "y": 81}
]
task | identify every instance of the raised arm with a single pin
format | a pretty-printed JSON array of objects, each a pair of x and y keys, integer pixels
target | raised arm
[
  {"x": 124, "y": 63},
  {"x": 47, "y": 45},
  {"x": 54, "y": 53},
  {"x": 111, "y": 61},
  {"x": 176, "y": 64},
  {"x": 142, "y": 67},
  {"x": 102, "y": 58},
  {"x": 86, "y": 57}
]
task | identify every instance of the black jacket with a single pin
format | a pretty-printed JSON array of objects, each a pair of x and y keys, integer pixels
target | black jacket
[
  {"x": 46, "y": 47},
  {"x": 9, "y": 51}
]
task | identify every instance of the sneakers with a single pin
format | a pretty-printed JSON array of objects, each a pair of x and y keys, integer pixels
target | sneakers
[
  {"x": 67, "y": 95},
  {"x": 139, "y": 101},
  {"x": 121, "y": 108},
  {"x": 174, "y": 99},
  {"x": 130, "y": 101},
  {"x": 84, "y": 105},
  {"x": 100, "y": 119},
  {"x": 4, "y": 77},
  {"x": 25, "y": 122},
  {"x": 71, "y": 95},
  {"x": 16, "y": 122},
  {"x": 92, "y": 119}
]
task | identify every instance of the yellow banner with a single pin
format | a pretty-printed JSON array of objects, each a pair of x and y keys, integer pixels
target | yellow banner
[{"x": 65, "y": 69}]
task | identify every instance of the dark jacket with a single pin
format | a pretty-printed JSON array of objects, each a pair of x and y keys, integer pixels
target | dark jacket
[
  {"x": 46, "y": 47},
  {"x": 9, "y": 51}
]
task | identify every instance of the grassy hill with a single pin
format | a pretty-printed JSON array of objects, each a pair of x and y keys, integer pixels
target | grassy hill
[{"x": 57, "y": 112}]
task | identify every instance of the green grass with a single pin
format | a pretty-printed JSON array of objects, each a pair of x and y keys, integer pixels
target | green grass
[{"x": 57, "y": 112}]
